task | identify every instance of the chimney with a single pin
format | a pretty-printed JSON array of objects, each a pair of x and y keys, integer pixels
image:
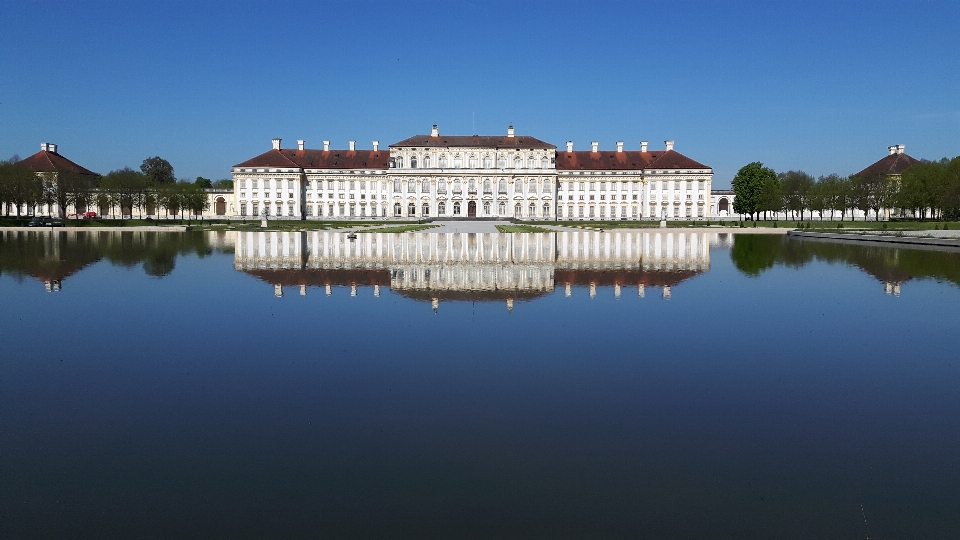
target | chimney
[
  {"x": 353, "y": 145},
  {"x": 643, "y": 146},
  {"x": 900, "y": 148},
  {"x": 300, "y": 145},
  {"x": 276, "y": 144},
  {"x": 43, "y": 147},
  {"x": 376, "y": 146},
  {"x": 53, "y": 148},
  {"x": 619, "y": 147},
  {"x": 595, "y": 145},
  {"x": 326, "y": 146},
  {"x": 434, "y": 131},
  {"x": 510, "y": 130},
  {"x": 891, "y": 150},
  {"x": 669, "y": 145},
  {"x": 569, "y": 146}
]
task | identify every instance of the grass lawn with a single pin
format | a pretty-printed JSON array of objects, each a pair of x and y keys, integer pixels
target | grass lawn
[{"x": 518, "y": 228}]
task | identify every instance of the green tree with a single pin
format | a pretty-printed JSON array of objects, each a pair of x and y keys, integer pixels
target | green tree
[
  {"x": 771, "y": 196},
  {"x": 796, "y": 186},
  {"x": 195, "y": 199},
  {"x": 203, "y": 182},
  {"x": 223, "y": 183},
  {"x": 748, "y": 188},
  {"x": 20, "y": 186},
  {"x": 816, "y": 199},
  {"x": 125, "y": 188},
  {"x": 158, "y": 171}
]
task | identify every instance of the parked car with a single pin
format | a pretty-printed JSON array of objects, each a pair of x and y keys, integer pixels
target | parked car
[
  {"x": 89, "y": 215},
  {"x": 44, "y": 222}
]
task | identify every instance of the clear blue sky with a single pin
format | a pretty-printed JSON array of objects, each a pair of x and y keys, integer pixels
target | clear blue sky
[{"x": 819, "y": 86}]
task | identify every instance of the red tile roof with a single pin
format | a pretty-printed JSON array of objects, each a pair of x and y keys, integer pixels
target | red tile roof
[
  {"x": 49, "y": 162},
  {"x": 890, "y": 164},
  {"x": 321, "y": 159},
  {"x": 481, "y": 141},
  {"x": 608, "y": 160}
]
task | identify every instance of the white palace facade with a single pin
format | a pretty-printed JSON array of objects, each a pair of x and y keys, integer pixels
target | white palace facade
[{"x": 472, "y": 177}]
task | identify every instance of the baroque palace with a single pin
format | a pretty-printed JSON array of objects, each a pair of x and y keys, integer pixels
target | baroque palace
[{"x": 473, "y": 177}]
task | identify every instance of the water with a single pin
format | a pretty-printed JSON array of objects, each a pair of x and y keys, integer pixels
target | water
[{"x": 476, "y": 386}]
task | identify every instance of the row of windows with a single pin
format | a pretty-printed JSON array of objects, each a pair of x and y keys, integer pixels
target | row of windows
[
  {"x": 625, "y": 186},
  {"x": 600, "y": 211},
  {"x": 457, "y": 185},
  {"x": 426, "y": 162}
]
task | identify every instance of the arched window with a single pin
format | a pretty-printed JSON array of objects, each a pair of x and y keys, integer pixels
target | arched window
[
  {"x": 532, "y": 209},
  {"x": 443, "y": 161},
  {"x": 517, "y": 162},
  {"x": 517, "y": 210},
  {"x": 486, "y": 185},
  {"x": 473, "y": 162},
  {"x": 502, "y": 163},
  {"x": 456, "y": 209},
  {"x": 441, "y": 186},
  {"x": 530, "y": 162},
  {"x": 502, "y": 208},
  {"x": 486, "y": 162},
  {"x": 412, "y": 209},
  {"x": 426, "y": 162},
  {"x": 441, "y": 208},
  {"x": 399, "y": 161},
  {"x": 546, "y": 210},
  {"x": 425, "y": 209},
  {"x": 486, "y": 208},
  {"x": 544, "y": 163},
  {"x": 457, "y": 162},
  {"x": 425, "y": 185},
  {"x": 503, "y": 186},
  {"x": 396, "y": 210},
  {"x": 413, "y": 162}
]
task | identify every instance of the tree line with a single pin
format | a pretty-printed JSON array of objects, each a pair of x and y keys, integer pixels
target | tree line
[
  {"x": 153, "y": 186},
  {"x": 927, "y": 189}
]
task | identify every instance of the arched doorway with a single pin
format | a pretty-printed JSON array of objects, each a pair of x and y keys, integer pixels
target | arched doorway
[
  {"x": 220, "y": 207},
  {"x": 723, "y": 207},
  {"x": 472, "y": 209}
]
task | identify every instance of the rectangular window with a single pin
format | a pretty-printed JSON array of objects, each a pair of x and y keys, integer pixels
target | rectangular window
[{"x": 243, "y": 209}]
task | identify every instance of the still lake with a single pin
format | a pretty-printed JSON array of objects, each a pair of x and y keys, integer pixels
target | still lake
[{"x": 565, "y": 385}]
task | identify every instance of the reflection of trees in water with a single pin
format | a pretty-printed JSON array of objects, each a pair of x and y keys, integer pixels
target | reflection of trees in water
[
  {"x": 52, "y": 256},
  {"x": 753, "y": 254}
]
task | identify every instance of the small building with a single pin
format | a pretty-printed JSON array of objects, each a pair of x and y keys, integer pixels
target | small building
[
  {"x": 49, "y": 163},
  {"x": 891, "y": 165}
]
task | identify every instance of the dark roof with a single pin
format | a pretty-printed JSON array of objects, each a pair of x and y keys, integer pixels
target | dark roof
[
  {"x": 46, "y": 161},
  {"x": 321, "y": 159},
  {"x": 629, "y": 160},
  {"x": 890, "y": 164},
  {"x": 484, "y": 141}
]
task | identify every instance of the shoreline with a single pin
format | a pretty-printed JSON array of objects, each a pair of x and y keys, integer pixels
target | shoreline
[{"x": 878, "y": 239}]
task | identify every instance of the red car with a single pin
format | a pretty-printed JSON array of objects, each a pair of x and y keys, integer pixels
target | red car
[{"x": 89, "y": 215}]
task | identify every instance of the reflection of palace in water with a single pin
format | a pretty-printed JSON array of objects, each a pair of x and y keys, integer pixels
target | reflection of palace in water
[{"x": 474, "y": 266}]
